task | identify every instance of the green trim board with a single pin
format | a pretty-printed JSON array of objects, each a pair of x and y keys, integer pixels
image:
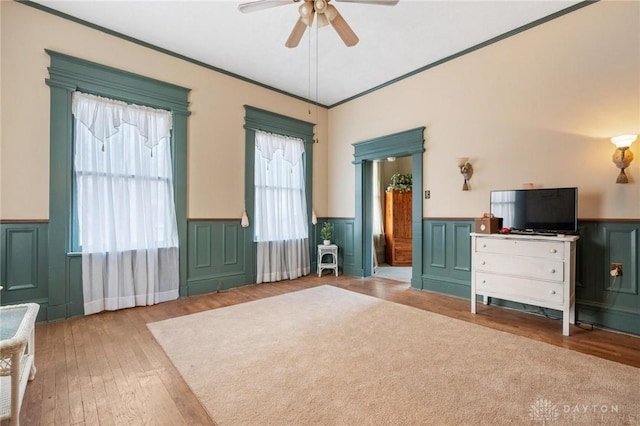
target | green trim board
[
  {"x": 603, "y": 315},
  {"x": 406, "y": 143},
  {"x": 268, "y": 121},
  {"x": 68, "y": 74},
  {"x": 361, "y": 94}
]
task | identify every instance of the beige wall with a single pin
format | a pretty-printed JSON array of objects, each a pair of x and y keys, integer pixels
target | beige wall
[
  {"x": 216, "y": 134},
  {"x": 538, "y": 107}
]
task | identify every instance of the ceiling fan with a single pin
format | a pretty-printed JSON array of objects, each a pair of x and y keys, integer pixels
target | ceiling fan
[{"x": 326, "y": 13}]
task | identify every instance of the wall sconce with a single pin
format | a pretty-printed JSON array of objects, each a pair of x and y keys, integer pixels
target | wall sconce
[
  {"x": 391, "y": 159},
  {"x": 467, "y": 171},
  {"x": 622, "y": 156}
]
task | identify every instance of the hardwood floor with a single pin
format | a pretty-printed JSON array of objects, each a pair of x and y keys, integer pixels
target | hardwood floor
[{"x": 107, "y": 368}]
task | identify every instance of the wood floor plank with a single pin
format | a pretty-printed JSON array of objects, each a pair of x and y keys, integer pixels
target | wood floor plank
[
  {"x": 76, "y": 406},
  {"x": 49, "y": 368},
  {"x": 108, "y": 369},
  {"x": 87, "y": 402},
  {"x": 31, "y": 410}
]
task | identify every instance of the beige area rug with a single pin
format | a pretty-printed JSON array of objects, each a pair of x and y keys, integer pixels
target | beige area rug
[{"x": 328, "y": 356}]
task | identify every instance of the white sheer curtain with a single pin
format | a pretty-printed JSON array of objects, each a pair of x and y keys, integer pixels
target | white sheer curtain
[
  {"x": 125, "y": 207},
  {"x": 281, "y": 229},
  {"x": 378, "y": 213}
]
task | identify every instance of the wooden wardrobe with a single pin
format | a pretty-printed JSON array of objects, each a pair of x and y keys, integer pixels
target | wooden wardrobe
[{"x": 397, "y": 228}]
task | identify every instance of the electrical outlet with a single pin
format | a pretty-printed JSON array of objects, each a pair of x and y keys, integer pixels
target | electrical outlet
[
  {"x": 427, "y": 194},
  {"x": 616, "y": 269}
]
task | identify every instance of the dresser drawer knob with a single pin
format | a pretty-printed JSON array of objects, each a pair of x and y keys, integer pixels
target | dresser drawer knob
[
  {"x": 553, "y": 251},
  {"x": 553, "y": 292},
  {"x": 483, "y": 263},
  {"x": 552, "y": 271}
]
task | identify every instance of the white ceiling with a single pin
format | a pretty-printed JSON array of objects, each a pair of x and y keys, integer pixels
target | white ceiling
[{"x": 394, "y": 41}]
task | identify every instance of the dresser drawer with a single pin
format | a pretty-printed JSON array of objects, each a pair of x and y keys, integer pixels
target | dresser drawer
[
  {"x": 546, "y": 249},
  {"x": 522, "y": 266},
  {"x": 521, "y": 290}
]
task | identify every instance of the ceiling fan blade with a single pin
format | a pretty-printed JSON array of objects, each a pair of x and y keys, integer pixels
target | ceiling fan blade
[
  {"x": 296, "y": 33},
  {"x": 340, "y": 25},
  {"x": 254, "y": 6},
  {"x": 377, "y": 2}
]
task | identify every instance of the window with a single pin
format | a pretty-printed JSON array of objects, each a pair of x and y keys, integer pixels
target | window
[
  {"x": 68, "y": 74},
  {"x": 280, "y": 205},
  {"x": 126, "y": 218},
  {"x": 123, "y": 184},
  {"x": 277, "y": 258}
]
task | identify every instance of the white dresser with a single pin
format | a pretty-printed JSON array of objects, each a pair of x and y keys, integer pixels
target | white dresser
[{"x": 530, "y": 269}]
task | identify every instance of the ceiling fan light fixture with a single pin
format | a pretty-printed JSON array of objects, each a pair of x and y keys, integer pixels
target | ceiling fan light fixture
[
  {"x": 305, "y": 10},
  {"x": 331, "y": 12},
  {"x": 320, "y": 5},
  {"x": 327, "y": 14}
]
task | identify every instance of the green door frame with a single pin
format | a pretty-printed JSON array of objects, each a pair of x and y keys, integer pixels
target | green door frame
[{"x": 402, "y": 144}]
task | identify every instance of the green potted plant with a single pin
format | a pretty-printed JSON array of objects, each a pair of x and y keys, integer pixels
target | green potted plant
[
  {"x": 400, "y": 182},
  {"x": 325, "y": 233}
]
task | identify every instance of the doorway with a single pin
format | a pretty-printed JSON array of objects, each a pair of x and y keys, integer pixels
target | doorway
[
  {"x": 407, "y": 143},
  {"x": 392, "y": 224}
]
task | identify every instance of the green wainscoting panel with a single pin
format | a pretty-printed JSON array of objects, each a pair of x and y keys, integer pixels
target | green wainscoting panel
[
  {"x": 344, "y": 237},
  {"x": 447, "y": 257},
  {"x": 22, "y": 255},
  {"x": 217, "y": 259},
  {"x": 217, "y": 256},
  {"x": 202, "y": 253},
  {"x": 461, "y": 253},
  {"x": 436, "y": 249},
  {"x": 621, "y": 246},
  {"x": 600, "y": 300},
  {"x": 24, "y": 263}
]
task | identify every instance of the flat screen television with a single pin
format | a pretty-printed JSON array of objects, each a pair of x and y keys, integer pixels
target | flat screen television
[{"x": 543, "y": 211}]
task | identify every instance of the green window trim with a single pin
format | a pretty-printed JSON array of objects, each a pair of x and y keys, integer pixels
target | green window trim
[
  {"x": 267, "y": 121},
  {"x": 66, "y": 75}
]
